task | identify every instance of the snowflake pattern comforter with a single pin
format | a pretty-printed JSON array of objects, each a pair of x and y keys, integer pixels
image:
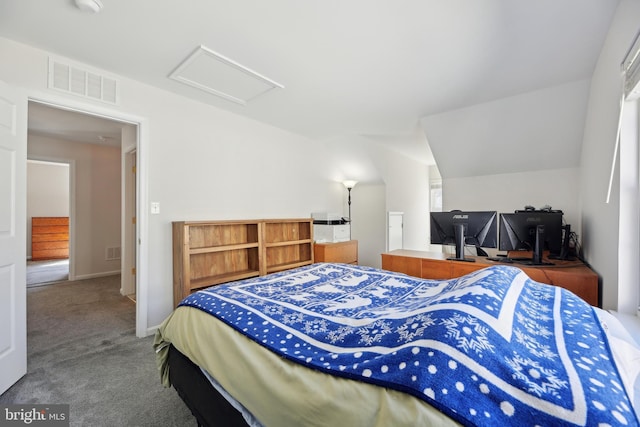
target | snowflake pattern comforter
[{"x": 490, "y": 348}]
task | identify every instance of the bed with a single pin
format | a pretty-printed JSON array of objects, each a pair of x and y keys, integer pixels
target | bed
[{"x": 336, "y": 344}]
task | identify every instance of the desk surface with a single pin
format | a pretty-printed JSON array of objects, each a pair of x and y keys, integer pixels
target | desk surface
[
  {"x": 556, "y": 263},
  {"x": 569, "y": 274}
]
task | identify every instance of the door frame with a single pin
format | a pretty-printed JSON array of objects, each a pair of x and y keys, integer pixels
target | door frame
[
  {"x": 141, "y": 124},
  {"x": 129, "y": 209},
  {"x": 391, "y": 214}
]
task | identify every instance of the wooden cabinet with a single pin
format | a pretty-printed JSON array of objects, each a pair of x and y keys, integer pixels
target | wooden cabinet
[
  {"x": 435, "y": 269},
  {"x": 571, "y": 275},
  {"x": 207, "y": 253},
  {"x": 344, "y": 252},
  {"x": 49, "y": 238}
]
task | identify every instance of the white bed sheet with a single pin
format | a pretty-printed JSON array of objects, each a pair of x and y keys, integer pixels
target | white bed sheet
[{"x": 626, "y": 350}]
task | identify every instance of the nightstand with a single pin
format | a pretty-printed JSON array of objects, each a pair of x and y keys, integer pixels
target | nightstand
[{"x": 343, "y": 252}]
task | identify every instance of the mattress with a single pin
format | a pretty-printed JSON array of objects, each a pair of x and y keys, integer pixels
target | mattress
[{"x": 209, "y": 404}]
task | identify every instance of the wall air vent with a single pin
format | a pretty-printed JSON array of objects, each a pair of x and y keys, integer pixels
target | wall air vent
[
  {"x": 81, "y": 81},
  {"x": 211, "y": 72},
  {"x": 112, "y": 253}
]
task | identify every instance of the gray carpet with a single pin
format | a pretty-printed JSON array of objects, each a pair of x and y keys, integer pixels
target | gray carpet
[{"x": 82, "y": 351}]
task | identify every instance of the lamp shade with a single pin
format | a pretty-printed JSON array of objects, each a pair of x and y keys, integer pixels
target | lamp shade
[{"x": 349, "y": 184}]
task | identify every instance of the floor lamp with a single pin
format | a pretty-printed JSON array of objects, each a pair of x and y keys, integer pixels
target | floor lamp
[{"x": 349, "y": 185}]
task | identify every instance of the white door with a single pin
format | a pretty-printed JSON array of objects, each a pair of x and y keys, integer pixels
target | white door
[
  {"x": 395, "y": 231},
  {"x": 13, "y": 236}
]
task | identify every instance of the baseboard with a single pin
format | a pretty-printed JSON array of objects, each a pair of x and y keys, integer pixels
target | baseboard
[
  {"x": 95, "y": 275},
  {"x": 152, "y": 330}
]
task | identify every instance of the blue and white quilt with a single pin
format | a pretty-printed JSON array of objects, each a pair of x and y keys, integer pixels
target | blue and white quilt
[{"x": 490, "y": 348}]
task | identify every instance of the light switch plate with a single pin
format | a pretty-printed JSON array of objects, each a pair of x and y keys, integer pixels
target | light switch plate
[{"x": 155, "y": 207}]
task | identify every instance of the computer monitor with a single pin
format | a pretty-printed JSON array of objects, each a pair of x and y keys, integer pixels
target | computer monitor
[
  {"x": 531, "y": 230},
  {"x": 460, "y": 228}
]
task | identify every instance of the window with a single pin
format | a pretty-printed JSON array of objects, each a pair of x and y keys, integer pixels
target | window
[
  {"x": 629, "y": 209},
  {"x": 629, "y": 220},
  {"x": 435, "y": 190}
]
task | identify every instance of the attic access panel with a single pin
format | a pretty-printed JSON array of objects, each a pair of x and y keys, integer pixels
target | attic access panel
[{"x": 214, "y": 73}]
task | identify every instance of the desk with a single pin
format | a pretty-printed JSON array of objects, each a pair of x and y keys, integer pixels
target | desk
[{"x": 571, "y": 275}]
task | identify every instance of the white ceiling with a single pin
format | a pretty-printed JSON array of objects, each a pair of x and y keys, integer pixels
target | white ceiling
[
  {"x": 73, "y": 126},
  {"x": 354, "y": 67}
]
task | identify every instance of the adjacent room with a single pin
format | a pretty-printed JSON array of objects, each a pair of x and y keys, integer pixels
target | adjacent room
[
  {"x": 359, "y": 178},
  {"x": 47, "y": 222}
]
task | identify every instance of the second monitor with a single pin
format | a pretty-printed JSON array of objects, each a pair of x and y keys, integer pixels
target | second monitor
[{"x": 534, "y": 231}]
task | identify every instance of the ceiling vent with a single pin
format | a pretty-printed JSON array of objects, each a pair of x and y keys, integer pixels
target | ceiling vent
[
  {"x": 216, "y": 74},
  {"x": 81, "y": 81}
]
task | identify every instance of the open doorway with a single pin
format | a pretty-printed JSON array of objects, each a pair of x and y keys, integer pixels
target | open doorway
[
  {"x": 99, "y": 201},
  {"x": 48, "y": 185}
]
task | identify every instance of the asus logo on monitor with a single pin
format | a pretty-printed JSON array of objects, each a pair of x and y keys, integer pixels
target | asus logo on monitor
[
  {"x": 461, "y": 217},
  {"x": 534, "y": 219}
]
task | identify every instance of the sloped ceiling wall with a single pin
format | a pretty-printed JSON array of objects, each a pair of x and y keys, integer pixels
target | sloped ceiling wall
[{"x": 538, "y": 130}]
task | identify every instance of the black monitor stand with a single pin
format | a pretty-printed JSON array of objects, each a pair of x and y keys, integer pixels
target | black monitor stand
[
  {"x": 538, "y": 249},
  {"x": 460, "y": 241},
  {"x": 566, "y": 241}
]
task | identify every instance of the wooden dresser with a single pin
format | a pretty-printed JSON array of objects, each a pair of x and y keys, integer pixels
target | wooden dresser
[
  {"x": 207, "y": 253},
  {"x": 49, "y": 238},
  {"x": 344, "y": 252},
  {"x": 571, "y": 275}
]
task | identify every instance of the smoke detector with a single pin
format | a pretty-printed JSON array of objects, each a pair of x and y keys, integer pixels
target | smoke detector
[{"x": 91, "y": 6}]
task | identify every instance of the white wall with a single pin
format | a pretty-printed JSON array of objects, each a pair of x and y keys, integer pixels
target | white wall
[
  {"x": 368, "y": 204},
  {"x": 205, "y": 163},
  {"x": 407, "y": 190},
  {"x": 96, "y": 198},
  {"x": 599, "y": 219},
  {"x": 47, "y": 192},
  {"x": 532, "y": 131}
]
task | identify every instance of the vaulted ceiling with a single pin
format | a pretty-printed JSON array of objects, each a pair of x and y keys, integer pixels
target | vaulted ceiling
[{"x": 357, "y": 67}]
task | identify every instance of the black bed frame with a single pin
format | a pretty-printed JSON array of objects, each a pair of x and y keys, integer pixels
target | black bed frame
[{"x": 204, "y": 401}]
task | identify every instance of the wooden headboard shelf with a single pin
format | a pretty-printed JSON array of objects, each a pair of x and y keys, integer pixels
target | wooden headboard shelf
[
  {"x": 49, "y": 238},
  {"x": 207, "y": 253}
]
